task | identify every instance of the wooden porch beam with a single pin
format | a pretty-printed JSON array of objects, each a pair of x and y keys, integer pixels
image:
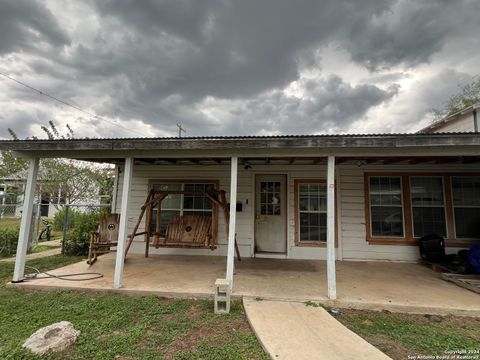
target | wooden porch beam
[
  {"x": 393, "y": 160},
  {"x": 171, "y": 161},
  {"x": 339, "y": 161}
]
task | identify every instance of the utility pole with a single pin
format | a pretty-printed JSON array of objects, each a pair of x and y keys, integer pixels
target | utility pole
[{"x": 180, "y": 129}]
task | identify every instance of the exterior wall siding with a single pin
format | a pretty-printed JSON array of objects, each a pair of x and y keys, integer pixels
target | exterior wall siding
[
  {"x": 245, "y": 194},
  {"x": 352, "y": 213},
  {"x": 351, "y": 235},
  {"x": 463, "y": 123}
]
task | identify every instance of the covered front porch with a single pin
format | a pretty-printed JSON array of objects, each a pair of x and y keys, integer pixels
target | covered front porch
[{"x": 402, "y": 287}]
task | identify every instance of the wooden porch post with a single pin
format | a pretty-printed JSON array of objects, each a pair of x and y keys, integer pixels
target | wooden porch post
[
  {"x": 233, "y": 216},
  {"x": 26, "y": 221},
  {"x": 331, "y": 278},
  {"x": 122, "y": 228}
]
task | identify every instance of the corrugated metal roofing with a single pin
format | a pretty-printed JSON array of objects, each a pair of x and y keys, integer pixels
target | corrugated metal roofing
[{"x": 250, "y": 137}]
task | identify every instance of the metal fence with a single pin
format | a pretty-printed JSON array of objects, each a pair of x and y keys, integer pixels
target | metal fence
[
  {"x": 59, "y": 225},
  {"x": 9, "y": 211}
]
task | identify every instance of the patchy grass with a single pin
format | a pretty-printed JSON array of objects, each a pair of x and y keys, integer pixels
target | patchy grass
[
  {"x": 127, "y": 327},
  {"x": 42, "y": 264},
  {"x": 9, "y": 223},
  {"x": 42, "y": 248},
  {"x": 400, "y": 335}
]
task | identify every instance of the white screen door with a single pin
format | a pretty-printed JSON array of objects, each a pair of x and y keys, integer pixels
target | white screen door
[{"x": 270, "y": 213}]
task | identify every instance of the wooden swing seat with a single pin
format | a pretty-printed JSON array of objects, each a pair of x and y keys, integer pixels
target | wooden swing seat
[{"x": 186, "y": 231}]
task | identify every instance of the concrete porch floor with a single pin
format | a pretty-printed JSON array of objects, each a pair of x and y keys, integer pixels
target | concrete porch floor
[{"x": 397, "y": 287}]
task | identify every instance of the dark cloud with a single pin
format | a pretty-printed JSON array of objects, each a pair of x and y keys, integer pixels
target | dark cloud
[
  {"x": 327, "y": 105},
  {"x": 27, "y": 24},
  {"x": 230, "y": 67}
]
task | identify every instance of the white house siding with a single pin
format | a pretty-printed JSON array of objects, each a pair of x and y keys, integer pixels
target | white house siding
[
  {"x": 245, "y": 194},
  {"x": 350, "y": 207},
  {"x": 352, "y": 213},
  {"x": 464, "y": 123}
]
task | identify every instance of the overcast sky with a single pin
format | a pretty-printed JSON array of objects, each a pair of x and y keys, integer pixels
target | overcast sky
[{"x": 224, "y": 67}]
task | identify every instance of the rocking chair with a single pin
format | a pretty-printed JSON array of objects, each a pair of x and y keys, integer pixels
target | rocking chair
[{"x": 102, "y": 240}]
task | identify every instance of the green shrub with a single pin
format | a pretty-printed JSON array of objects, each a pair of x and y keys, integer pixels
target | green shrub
[
  {"x": 78, "y": 239},
  {"x": 8, "y": 241},
  {"x": 59, "y": 217}
]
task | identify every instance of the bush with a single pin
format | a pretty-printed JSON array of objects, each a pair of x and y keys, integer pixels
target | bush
[
  {"x": 8, "y": 241},
  {"x": 59, "y": 217},
  {"x": 78, "y": 239}
]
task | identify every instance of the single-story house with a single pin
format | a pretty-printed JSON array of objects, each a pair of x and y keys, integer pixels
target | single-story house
[
  {"x": 328, "y": 197},
  {"x": 13, "y": 188}
]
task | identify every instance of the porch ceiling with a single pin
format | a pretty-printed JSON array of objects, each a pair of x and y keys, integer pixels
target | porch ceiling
[{"x": 295, "y": 160}]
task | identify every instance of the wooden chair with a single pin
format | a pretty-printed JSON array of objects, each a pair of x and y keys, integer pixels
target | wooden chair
[{"x": 102, "y": 240}]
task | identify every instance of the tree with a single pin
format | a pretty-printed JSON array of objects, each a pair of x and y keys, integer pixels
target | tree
[
  {"x": 74, "y": 180},
  {"x": 468, "y": 95}
]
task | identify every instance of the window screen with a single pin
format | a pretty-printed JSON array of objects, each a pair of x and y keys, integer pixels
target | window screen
[
  {"x": 312, "y": 200},
  {"x": 466, "y": 206},
  {"x": 386, "y": 213},
  {"x": 180, "y": 204},
  {"x": 428, "y": 206}
]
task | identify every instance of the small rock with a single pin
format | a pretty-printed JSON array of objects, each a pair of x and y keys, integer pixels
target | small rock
[
  {"x": 434, "y": 318},
  {"x": 55, "y": 338},
  {"x": 385, "y": 311}
]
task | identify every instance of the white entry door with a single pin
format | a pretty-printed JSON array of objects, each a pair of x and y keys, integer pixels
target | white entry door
[{"x": 271, "y": 213}]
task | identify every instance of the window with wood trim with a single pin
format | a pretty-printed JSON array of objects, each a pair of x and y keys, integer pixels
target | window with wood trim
[
  {"x": 428, "y": 206},
  {"x": 311, "y": 211},
  {"x": 182, "y": 204},
  {"x": 402, "y": 207},
  {"x": 386, "y": 209},
  {"x": 466, "y": 206}
]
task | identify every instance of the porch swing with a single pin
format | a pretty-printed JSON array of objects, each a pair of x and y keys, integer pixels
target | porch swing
[{"x": 182, "y": 231}]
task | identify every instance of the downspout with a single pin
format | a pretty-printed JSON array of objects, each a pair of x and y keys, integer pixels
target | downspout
[{"x": 475, "y": 122}]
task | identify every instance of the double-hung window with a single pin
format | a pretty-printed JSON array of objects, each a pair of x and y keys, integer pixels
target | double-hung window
[
  {"x": 466, "y": 206},
  {"x": 428, "y": 206},
  {"x": 386, "y": 210},
  {"x": 403, "y": 207},
  {"x": 311, "y": 200},
  {"x": 182, "y": 204}
]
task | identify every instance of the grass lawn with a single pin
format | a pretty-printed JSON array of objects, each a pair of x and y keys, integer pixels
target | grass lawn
[
  {"x": 42, "y": 248},
  {"x": 400, "y": 335},
  {"x": 126, "y": 327},
  {"x": 9, "y": 223}
]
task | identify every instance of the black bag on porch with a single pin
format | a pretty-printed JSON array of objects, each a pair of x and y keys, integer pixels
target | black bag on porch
[{"x": 432, "y": 248}]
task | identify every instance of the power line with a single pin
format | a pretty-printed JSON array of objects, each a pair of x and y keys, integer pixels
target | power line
[{"x": 67, "y": 104}]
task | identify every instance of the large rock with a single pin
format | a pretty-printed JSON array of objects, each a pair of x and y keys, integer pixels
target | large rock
[{"x": 56, "y": 337}]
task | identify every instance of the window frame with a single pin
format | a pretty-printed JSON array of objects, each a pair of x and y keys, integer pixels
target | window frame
[
  {"x": 296, "y": 195},
  {"x": 408, "y": 238},
  {"x": 402, "y": 203},
  {"x": 444, "y": 205},
  {"x": 454, "y": 225},
  {"x": 214, "y": 209}
]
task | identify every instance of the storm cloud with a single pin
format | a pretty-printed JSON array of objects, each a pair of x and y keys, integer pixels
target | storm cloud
[{"x": 233, "y": 67}]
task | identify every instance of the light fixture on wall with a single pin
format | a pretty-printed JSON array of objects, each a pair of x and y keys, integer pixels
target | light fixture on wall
[
  {"x": 246, "y": 165},
  {"x": 361, "y": 163}
]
